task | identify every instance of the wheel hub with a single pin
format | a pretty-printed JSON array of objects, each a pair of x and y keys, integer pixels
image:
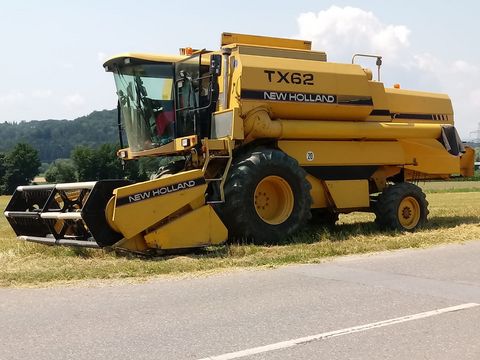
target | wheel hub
[
  {"x": 409, "y": 212},
  {"x": 406, "y": 213},
  {"x": 273, "y": 200}
]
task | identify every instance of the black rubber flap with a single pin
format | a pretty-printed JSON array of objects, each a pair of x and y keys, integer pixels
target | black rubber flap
[{"x": 93, "y": 213}]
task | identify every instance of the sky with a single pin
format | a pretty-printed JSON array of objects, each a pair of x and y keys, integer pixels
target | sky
[{"x": 52, "y": 51}]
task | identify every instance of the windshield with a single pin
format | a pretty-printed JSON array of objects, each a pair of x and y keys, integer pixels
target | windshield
[{"x": 147, "y": 104}]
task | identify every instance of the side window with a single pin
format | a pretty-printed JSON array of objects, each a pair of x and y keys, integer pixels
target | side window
[{"x": 187, "y": 73}]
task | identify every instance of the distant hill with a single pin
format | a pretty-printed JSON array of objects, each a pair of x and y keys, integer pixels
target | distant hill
[{"x": 55, "y": 139}]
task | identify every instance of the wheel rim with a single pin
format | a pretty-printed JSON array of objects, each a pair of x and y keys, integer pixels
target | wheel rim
[
  {"x": 409, "y": 212},
  {"x": 273, "y": 200}
]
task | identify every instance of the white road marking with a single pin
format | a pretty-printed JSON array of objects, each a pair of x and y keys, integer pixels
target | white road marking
[{"x": 331, "y": 334}]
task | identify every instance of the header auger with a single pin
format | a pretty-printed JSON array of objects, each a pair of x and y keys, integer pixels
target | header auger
[{"x": 266, "y": 135}]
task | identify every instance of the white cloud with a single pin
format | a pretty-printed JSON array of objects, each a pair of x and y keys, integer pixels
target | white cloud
[
  {"x": 101, "y": 57},
  {"x": 459, "y": 79},
  {"x": 42, "y": 93},
  {"x": 344, "y": 31},
  {"x": 425, "y": 62},
  {"x": 11, "y": 97},
  {"x": 475, "y": 97},
  {"x": 74, "y": 100},
  {"x": 461, "y": 66}
]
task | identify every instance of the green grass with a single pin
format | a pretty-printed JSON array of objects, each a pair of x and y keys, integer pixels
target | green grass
[
  {"x": 450, "y": 186},
  {"x": 454, "y": 217}
]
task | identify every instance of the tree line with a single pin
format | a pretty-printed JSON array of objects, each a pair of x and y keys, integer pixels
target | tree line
[
  {"x": 20, "y": 166},
  {"x": 56, "y": 139}
]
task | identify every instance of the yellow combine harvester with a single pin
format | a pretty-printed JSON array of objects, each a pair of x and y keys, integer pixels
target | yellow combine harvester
[{"x": 267, "y": 135}]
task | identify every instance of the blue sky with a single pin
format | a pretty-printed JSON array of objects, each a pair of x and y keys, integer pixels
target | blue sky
[{"x": 52, "y": 51}]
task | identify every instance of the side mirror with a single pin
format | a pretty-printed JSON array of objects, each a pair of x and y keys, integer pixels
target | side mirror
[{"x": 216, "y": 64}]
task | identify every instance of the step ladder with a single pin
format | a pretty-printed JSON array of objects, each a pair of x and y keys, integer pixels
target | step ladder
[{"x": 220, "y": 180}]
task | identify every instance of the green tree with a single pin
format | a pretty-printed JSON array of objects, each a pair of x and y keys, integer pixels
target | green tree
[
  {"x": 97, "y": 164},
  {"x": 21, "y": 165},
  {"x": 55, "y": 139},
  {"x": 61, "y": 171},
  {"x": 110, "y": 166},
  {"x": 134, "y": 171},
  {"x": 3, "y": 165},
  {"x": 84, "y": 159},
  {"x": 103, "y": 163}
]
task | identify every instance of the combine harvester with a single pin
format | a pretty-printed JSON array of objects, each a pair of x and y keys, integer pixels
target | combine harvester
[{"x": 266, "y": 135}]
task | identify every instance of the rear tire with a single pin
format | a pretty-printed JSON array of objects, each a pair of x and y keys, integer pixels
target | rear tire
[
  {"x": 267, "y": 197},
  {"x": 402, "y": 206}
]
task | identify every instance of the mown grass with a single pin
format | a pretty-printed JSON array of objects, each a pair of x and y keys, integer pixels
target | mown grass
[
  {"x": 450, "y": 186},
  {"x": 454, "y": 217}
]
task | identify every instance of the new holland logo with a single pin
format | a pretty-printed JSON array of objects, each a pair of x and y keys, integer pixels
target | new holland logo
[
  {"x": 164, "y": 190},
  {"x": 298, "y": 97},
  {"x": 289, "y": 96}
]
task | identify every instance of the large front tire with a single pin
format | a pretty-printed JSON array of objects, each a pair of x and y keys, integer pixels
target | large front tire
[
  {"x": 267, "y": 197},
  {"x": 402, "y": 206}
]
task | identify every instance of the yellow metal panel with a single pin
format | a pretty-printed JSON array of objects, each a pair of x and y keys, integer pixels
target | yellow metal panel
[
  {"x": 349, "y": 194},
  {"x": 282, "y": 53},
  {"x": 237, "y": 126},
  {"x": 319, "y": 197},
  {"x": 430, "y": 157},
  {"x": 197, "y": 228},
  {"x": 142, "y": 205},
  {"x": 303, "y": 129},
  {"x": 215, "y": 144},
  {"x": 341, "y": 80},
  {"x": 419, "y": 102},
  {"x": 173, "y": 147},
  {"x": 233, "y": 38},
  {"x": 467, "y": 162},
  {"x": 137, "y": 243},
  {"x": 380, "y": 101},
  {"x": 317, "y": 153},
  {"x": 329, "y": 74}
]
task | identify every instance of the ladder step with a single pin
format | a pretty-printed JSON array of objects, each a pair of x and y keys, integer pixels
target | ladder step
[
  {"x": 216, "y": 202},
  {"x": 219, "y": 156}
]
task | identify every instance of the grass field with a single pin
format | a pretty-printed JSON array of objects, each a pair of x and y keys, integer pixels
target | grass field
[
  {"x": 454, "y": 216},
  {"x": 450, "y": 186}
]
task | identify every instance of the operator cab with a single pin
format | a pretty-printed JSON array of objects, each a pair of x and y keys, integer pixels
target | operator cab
[{"x": 164, "y": 98}]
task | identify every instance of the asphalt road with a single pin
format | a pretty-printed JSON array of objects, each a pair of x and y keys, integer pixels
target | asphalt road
[{"x": 394, "y": 305}]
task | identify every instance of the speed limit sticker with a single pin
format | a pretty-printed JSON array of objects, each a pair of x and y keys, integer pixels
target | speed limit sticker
[{"x": 310, "y": 155}]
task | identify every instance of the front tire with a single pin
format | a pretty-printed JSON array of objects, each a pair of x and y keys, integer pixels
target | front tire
[
  {"x": 402, "y": 206},
  {"x": 267, "y": 197}
]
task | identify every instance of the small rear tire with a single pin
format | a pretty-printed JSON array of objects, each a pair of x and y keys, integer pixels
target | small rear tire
[{"x": 401, "y": 206}]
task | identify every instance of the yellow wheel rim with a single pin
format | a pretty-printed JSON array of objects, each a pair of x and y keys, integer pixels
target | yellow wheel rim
[
  {"x": 273, "y": 200},
  {"x": 409, "y": 212}
]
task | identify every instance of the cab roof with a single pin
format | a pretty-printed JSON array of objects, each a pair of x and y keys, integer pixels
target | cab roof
[{"x": 131, "y": 58}]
